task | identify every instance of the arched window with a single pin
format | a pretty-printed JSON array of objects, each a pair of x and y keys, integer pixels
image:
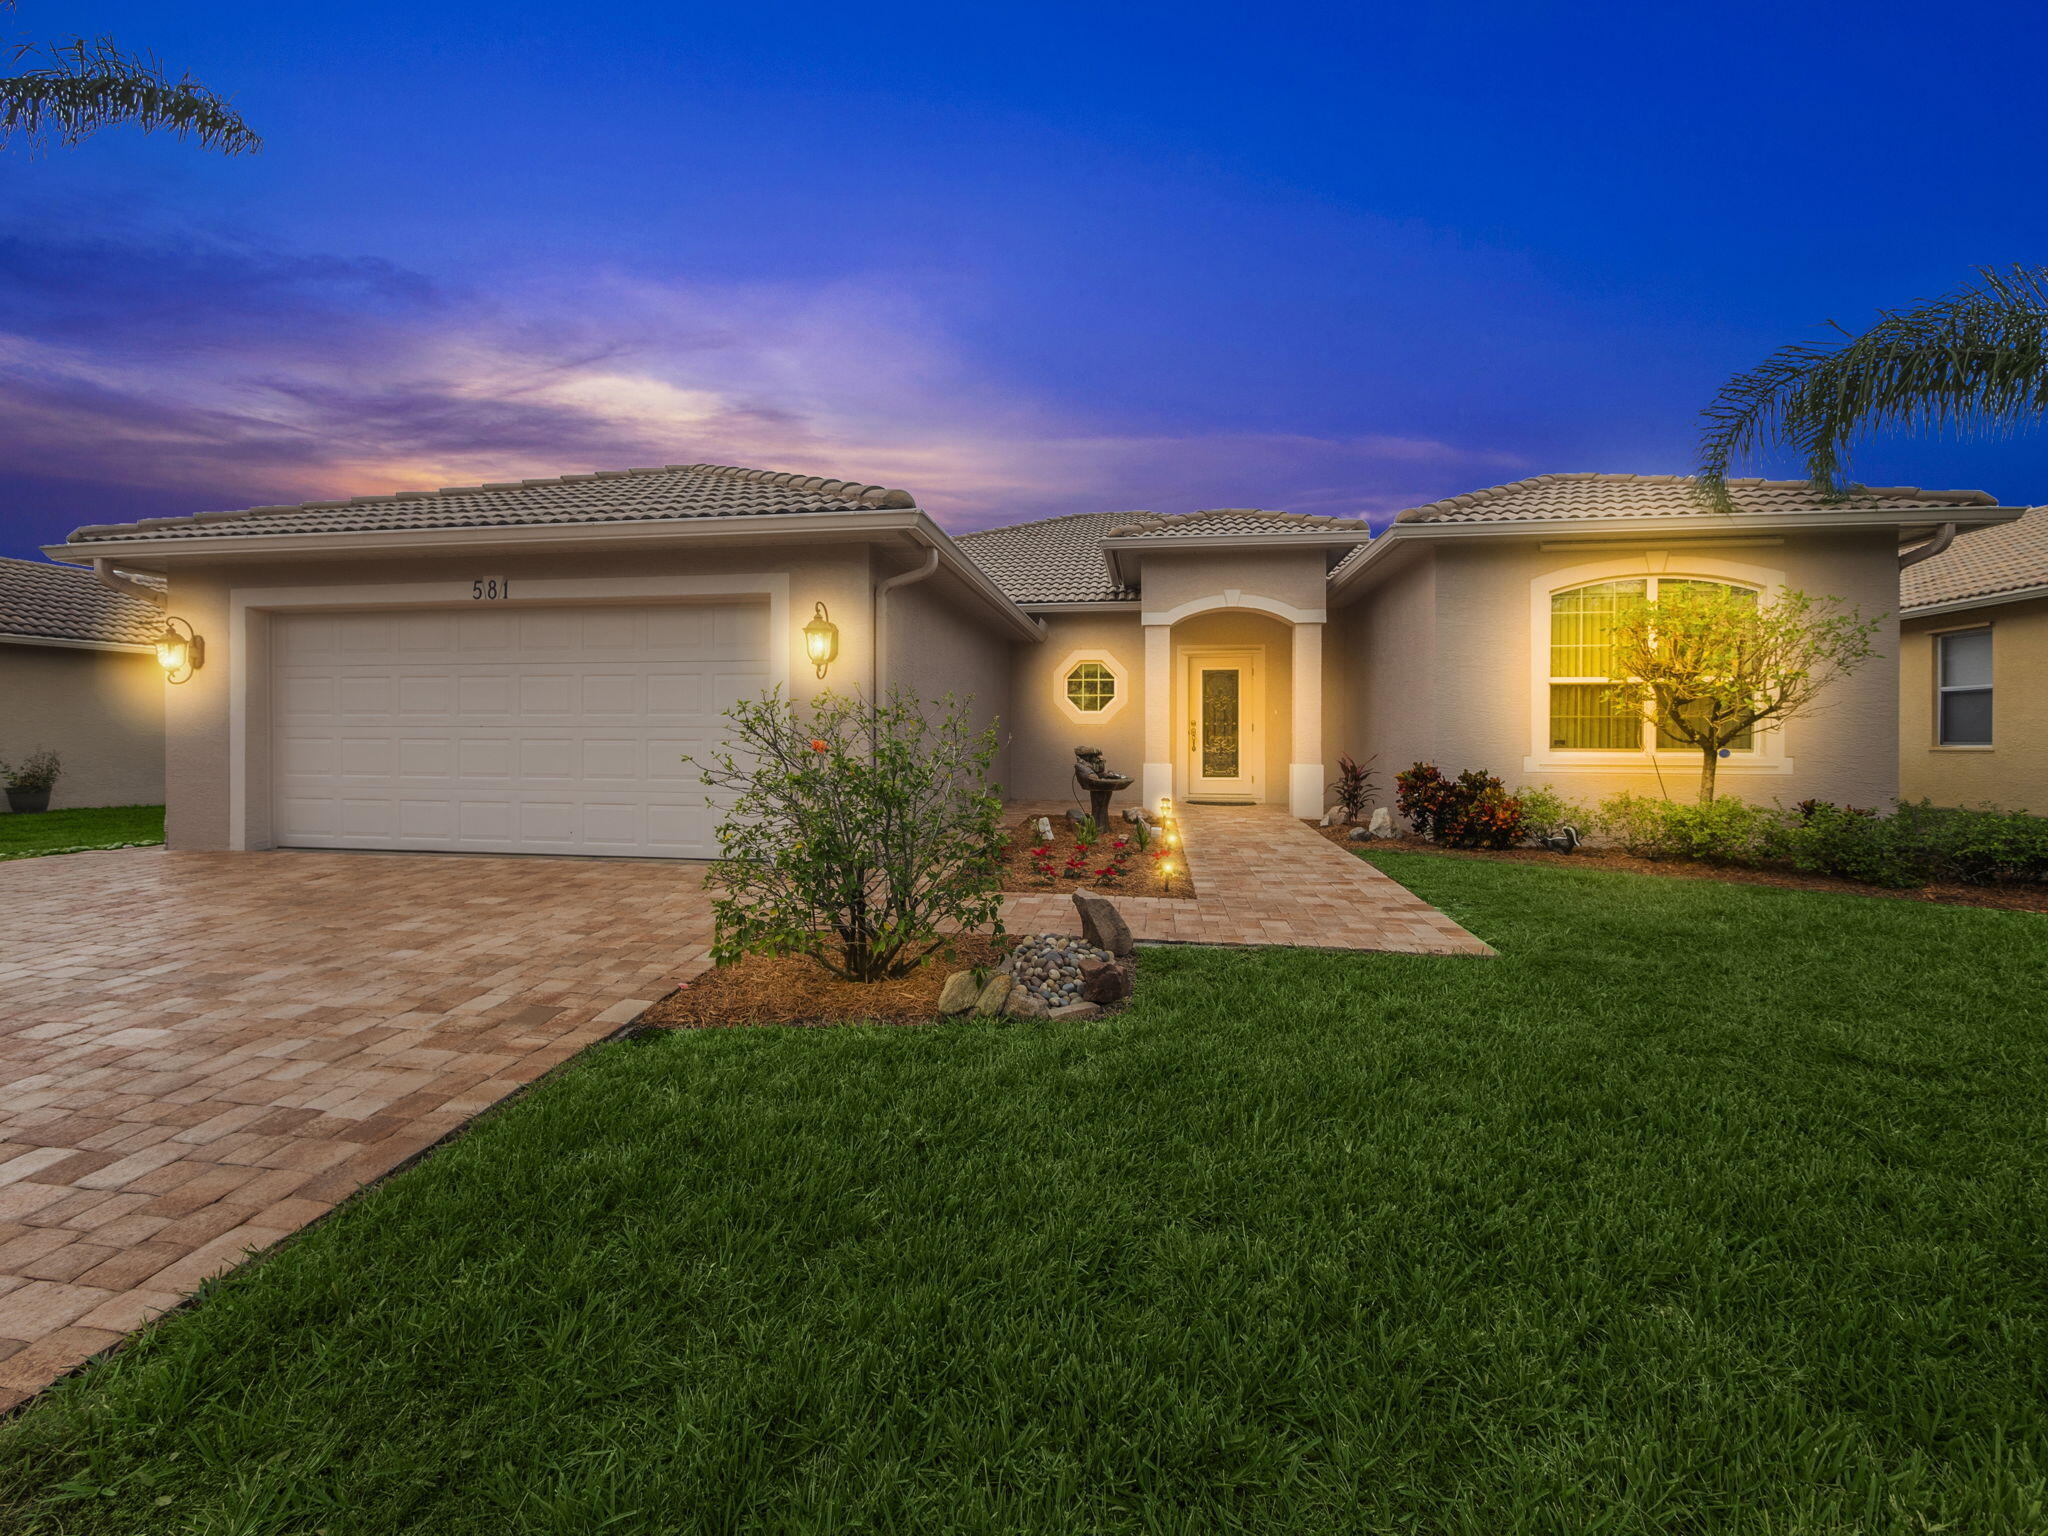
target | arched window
[{"x": 1583, "y": 716}]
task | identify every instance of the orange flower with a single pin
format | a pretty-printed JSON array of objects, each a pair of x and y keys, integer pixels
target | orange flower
[{"x": 818, "y": 744}]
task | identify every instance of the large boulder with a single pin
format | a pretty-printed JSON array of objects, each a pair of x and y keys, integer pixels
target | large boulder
[
  {"x": 1382, "y": 824},
  {"x": 959, "y": 993},
  {"x": 995, "y": 996},
  {"x": 1024, "y": 1005},
  {"x": 1102, "y": 925}
]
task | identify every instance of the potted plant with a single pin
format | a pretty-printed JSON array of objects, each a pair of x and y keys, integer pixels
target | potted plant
[{"x": 29, "y": 780}]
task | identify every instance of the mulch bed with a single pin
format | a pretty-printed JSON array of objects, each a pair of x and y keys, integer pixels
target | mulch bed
[
  {"x": 792, "y": 989},
  {"x": 1020, "y": 868},
  {"x": 2013, "y": 898}
]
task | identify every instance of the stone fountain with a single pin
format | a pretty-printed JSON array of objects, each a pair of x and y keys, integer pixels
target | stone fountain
[{"x": 1093, "y": 775}]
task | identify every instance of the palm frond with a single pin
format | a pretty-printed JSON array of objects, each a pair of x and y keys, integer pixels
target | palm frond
[
  {"x": 82, "y": 85},
  {"x": 1974, "y": 360}
]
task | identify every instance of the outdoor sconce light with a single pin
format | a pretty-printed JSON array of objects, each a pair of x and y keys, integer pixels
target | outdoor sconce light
[
  {"x": 821, "y": 640},
  {"x": 178, "y": 651}
]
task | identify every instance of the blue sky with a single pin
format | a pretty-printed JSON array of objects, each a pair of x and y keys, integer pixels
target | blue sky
[{"x": 1021, "y": 261}]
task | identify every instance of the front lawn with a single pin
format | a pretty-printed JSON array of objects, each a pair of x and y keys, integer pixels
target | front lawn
[
  {"x": 1704, "y": 1208},
  {"x": 97, "y": 826}
]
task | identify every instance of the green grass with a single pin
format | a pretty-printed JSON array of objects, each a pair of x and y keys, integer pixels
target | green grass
[
  {"x": 1705, "y": 1208},
  {"x": 97, "y": 826}
]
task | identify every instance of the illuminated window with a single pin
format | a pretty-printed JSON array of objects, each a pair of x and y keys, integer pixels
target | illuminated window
[
  {"x": 1584, "y": 717},
  {"x": 1963, "y": 688},
  {"x": 1091, "y": 687}
]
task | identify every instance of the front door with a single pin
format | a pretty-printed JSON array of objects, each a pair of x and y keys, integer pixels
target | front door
[{"x": 1224, "y": 751}]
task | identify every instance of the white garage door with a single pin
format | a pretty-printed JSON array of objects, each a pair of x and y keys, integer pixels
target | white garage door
[{"x": 495, "y": 730}]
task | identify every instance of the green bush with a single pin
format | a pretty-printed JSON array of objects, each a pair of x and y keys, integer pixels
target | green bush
[
  {"x": 1978, "y": 844},
  {"x": 1853, "y": 844},
  {"x": 860, "y": 834},
  {"x": 1723, "y": 831},
  {"x": 1545, "y": 811}
]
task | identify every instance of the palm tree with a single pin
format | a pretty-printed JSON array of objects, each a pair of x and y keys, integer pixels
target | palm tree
[
  {"x": 1972, "y": 361},
  {"x": 80, "y": 85}
]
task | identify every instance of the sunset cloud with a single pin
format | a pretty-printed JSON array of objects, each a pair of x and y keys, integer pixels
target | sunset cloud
[{"x": 212, "y": 376}]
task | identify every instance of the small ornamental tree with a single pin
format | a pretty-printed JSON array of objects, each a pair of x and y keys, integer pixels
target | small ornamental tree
[
  {"x": 859, "y": 833},
  {"x": 1711, "y": 664}
]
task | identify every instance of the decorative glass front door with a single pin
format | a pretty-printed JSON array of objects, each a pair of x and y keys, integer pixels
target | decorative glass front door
[{"x": 1220, "y": 693}]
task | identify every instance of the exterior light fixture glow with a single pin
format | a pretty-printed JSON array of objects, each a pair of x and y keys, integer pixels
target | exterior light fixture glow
[
  {"x": 821, "y": 640},
  {"x": 179, "y": 651}
]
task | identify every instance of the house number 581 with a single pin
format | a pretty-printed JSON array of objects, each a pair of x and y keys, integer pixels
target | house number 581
[{"x": 490, "y": 589}]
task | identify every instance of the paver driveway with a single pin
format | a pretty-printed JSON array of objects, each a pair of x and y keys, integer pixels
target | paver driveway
[{"x": 201, "y": 1052}]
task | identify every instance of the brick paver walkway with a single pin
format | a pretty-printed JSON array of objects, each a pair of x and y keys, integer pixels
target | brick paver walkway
[
  {"x": 200, "y": 1053},
  {"x": 1262, "y": 877}
]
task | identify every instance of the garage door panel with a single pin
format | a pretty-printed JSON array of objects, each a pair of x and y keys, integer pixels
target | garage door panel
[{"x": 545, "y": 731}]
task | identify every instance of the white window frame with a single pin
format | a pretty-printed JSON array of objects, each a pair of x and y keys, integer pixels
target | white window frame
[
  {"x": 1768, "y": 755},
  {"x": 1941, "y": 638},
  {"x": 1118, "y": 672}
]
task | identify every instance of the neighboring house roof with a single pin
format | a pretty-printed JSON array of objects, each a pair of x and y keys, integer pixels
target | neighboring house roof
[
  {"x": 673, "y": 491},
  {"x": 42, "y": 601},
  {"x": 1591, "y": 497},
  {"x": 1062, "y": 559},
  {"x": 1987, "y": 563},
  {"x": 1054, "y": 560}
]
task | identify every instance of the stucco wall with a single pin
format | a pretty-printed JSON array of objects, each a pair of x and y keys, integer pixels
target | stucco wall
[
  {"x": 1042, "y": 735},
  {"x": 1384, "y": 649},
  {"x": 2013, "y": 771},
  {"x": 197, "y": 712},
  {"x": 1448, "y": 664},
  {"x": 936, "y": 645},
  {"x": 1295, "y": 577},
  {"x": 102, "y": 712}
]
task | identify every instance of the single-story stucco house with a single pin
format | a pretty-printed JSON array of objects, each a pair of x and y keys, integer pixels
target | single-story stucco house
[
  {"x": 79, "y": 677},
  {"x": 1973, "y": 670},
  {"x": 521, "y": 667}
]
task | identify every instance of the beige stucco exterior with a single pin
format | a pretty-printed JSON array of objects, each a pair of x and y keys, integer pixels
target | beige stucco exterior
[
  {"x": 101, "y": 711},
  {"x": 2013, "y": 771},
  {"x": 1446, "y": 649}
]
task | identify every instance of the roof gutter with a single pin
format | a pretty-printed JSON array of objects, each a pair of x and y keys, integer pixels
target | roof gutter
[
  {"x": 103, "y": 571},
  {"x": 1944, "y": 536}
]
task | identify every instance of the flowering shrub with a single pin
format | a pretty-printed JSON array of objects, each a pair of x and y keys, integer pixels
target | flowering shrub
[
  {"x": 1474, "y": 810},
  {"x": 858, "y": 833}
]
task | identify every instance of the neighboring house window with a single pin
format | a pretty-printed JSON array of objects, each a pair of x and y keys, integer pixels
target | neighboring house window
[
  {"x": 1583, "y": 717},
  {"x": 1963, "y": 688},
  {"x": 1091, "y": 687}
]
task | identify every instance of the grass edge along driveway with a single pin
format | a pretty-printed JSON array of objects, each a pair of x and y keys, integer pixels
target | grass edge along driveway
[
  {"x": 1704, "y": 1208},
  {"x": 82, "y": 829}
]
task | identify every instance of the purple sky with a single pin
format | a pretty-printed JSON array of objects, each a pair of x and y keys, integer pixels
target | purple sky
[{"x": 1020, "y": 262}]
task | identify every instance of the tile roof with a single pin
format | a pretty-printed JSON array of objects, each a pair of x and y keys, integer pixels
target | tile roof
[
  {"x": 1232, "y": 521},
  {"x": 1544, "y": 498},
  {"x": 670, "y": 492},
  {"x": 1060, "y": 559},
  {"x": 63, "y": 602},
  {"x": 1054, "y": 560},
  {"x": 2008, "y": 557}
]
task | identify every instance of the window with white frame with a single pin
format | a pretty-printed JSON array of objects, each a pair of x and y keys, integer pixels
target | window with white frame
[
  {"x": 1962, "y": 686},
  {"x": 1584, "y": 715}
]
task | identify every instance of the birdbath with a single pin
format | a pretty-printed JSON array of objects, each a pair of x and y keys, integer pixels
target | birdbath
[{"x": 1092, "y": 775}]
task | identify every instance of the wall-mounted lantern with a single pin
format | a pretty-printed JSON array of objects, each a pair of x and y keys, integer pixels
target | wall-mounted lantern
[
  {"x": 821, "y": 640},
  {"x": 179, "y": 651}
]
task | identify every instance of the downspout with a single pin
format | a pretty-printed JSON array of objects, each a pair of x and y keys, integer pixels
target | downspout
[
  {"x": 882, "y": 591},
  {"x": 1944, "y": 536},
  {"x": 128, "y": 586}
]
